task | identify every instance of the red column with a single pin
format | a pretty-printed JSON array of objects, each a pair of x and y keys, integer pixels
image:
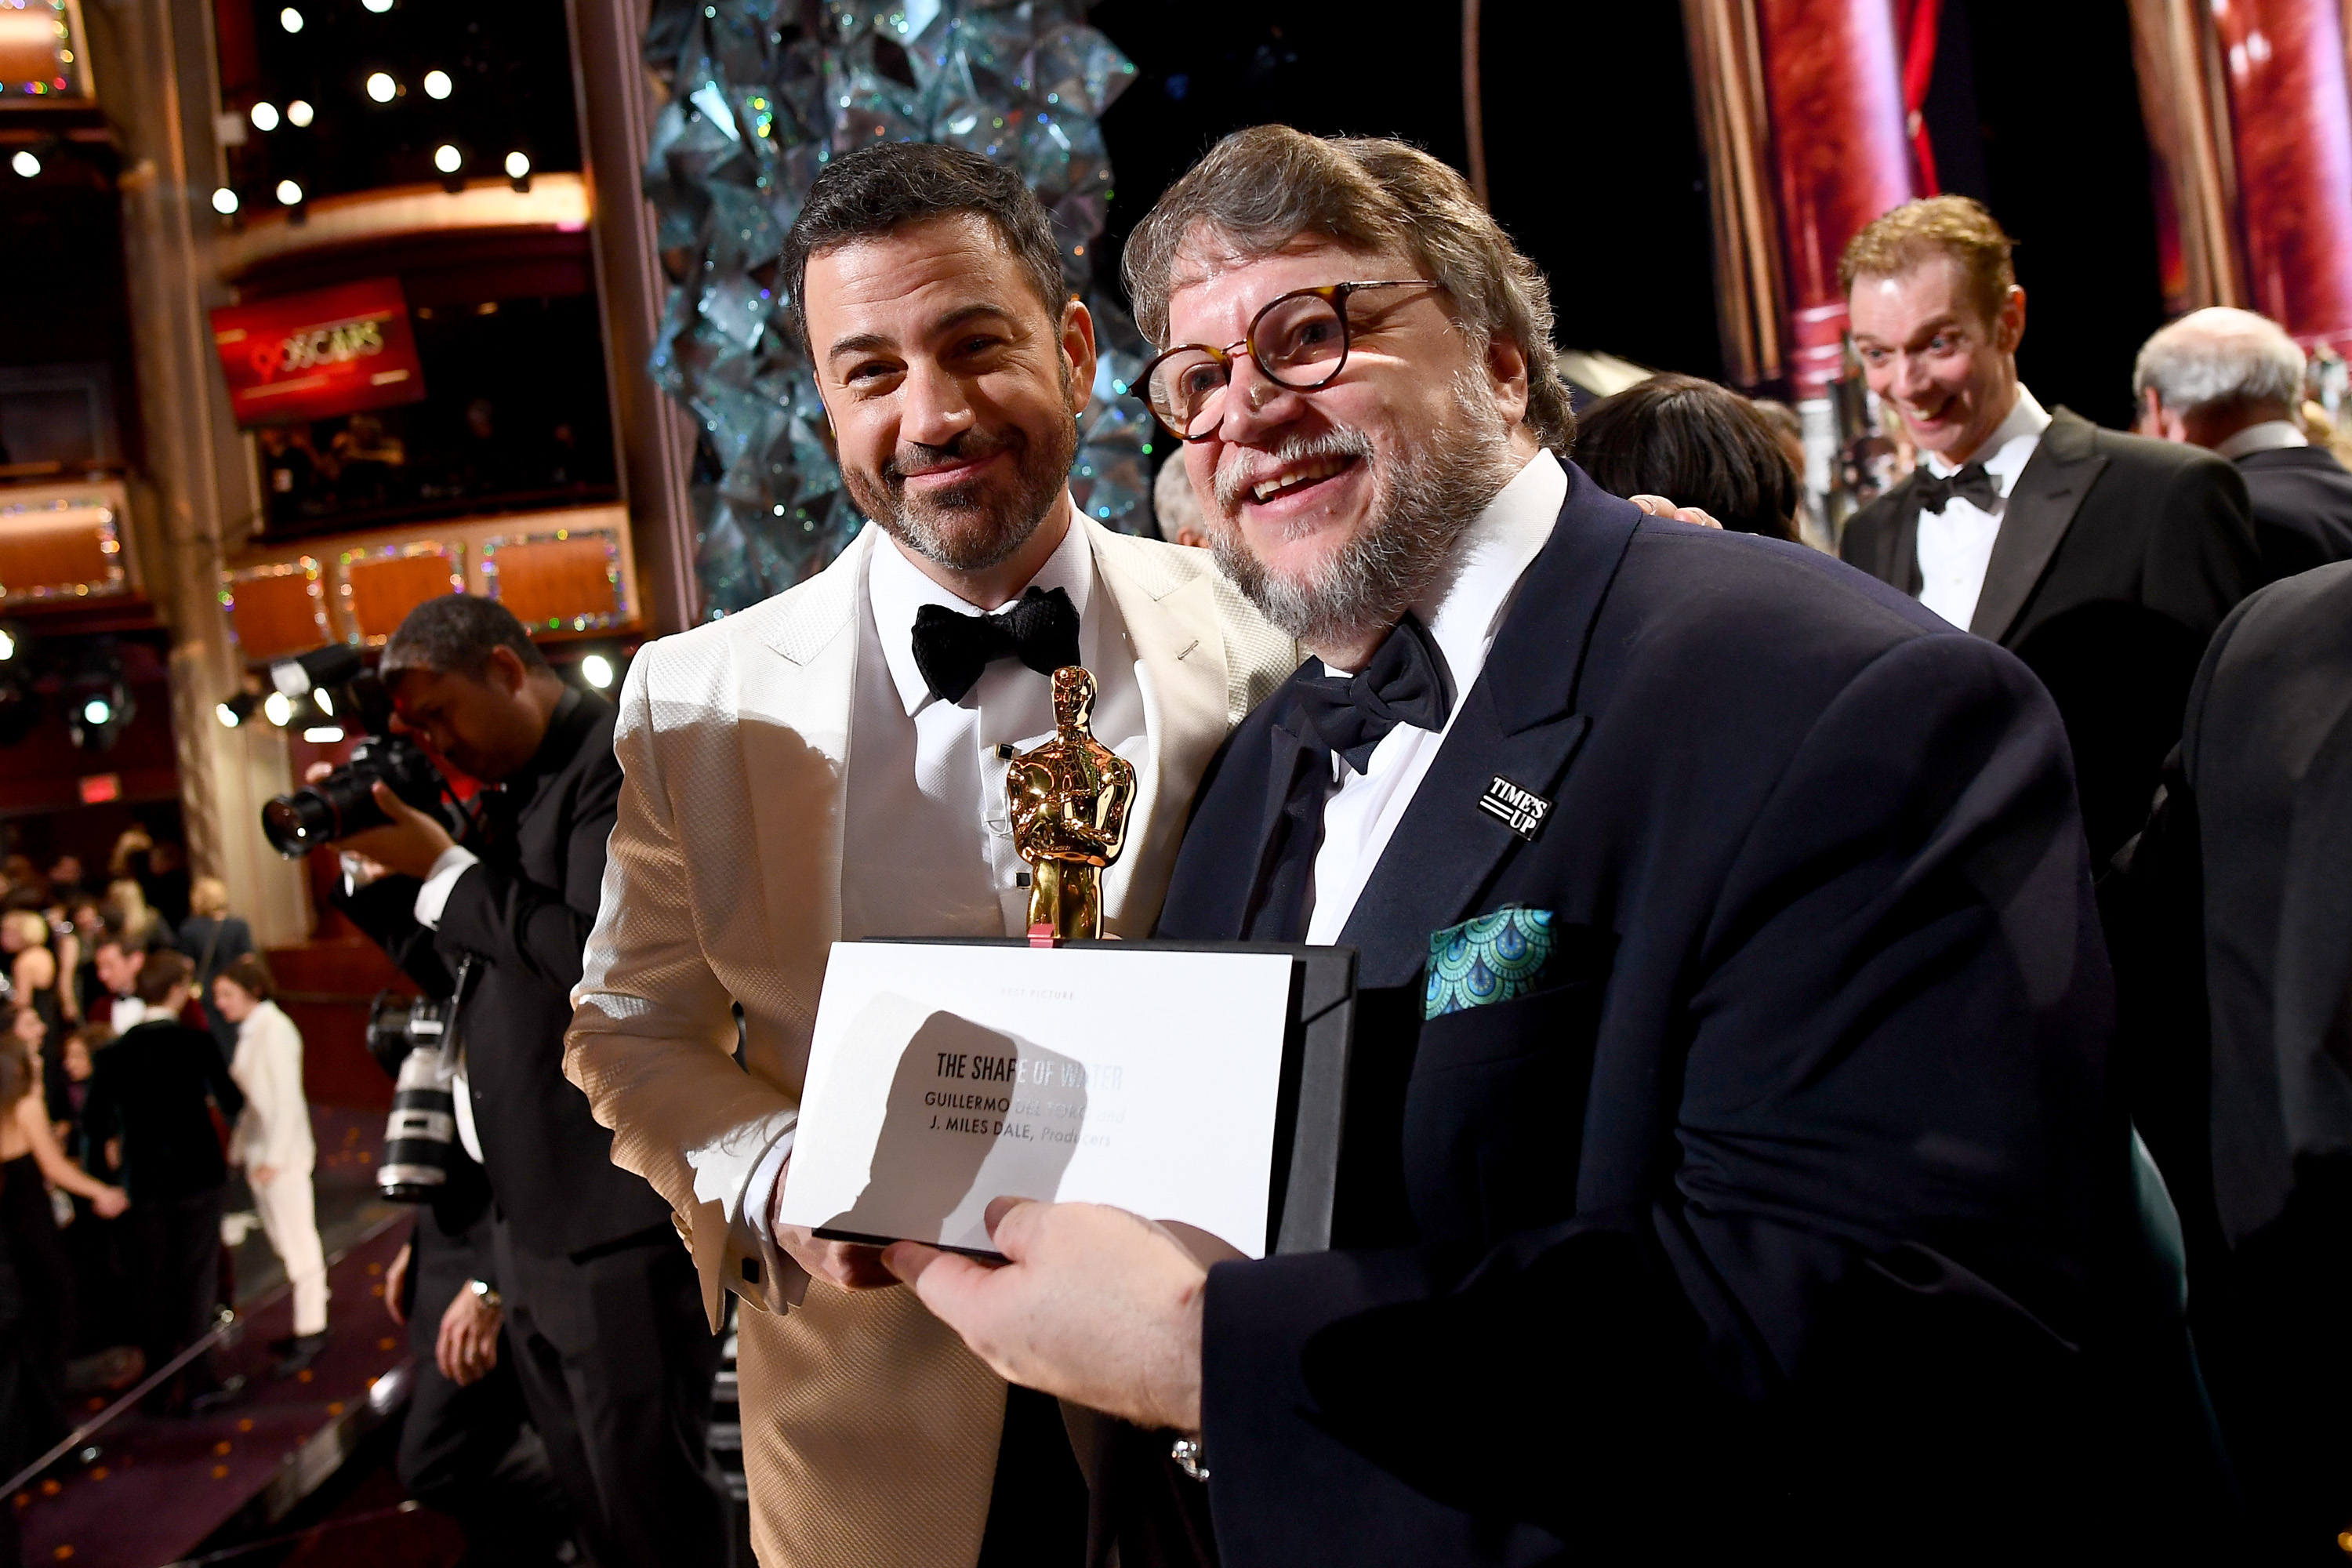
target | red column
[
  {"x": 1834, "y": 83},
  {"x": 2292, "y": 113}
]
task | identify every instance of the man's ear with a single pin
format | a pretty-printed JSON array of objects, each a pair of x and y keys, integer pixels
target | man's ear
[
  {"x": 2010, "y": 330},
  {"x": 1507, "y": 369},
  {"x": 1078, "y": 350},
  {"x": 506, "y": 671}
]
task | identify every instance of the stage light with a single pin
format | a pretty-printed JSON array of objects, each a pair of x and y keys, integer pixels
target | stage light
[
  {"x": 225, "y": 202},
  {"x": 518, "y": 166},
  {"x": 233, "y": 713},
  {"x": 438, "y": 84},
  {"x": 279, "y": 708},
  {"x": 299, "y": 113},
  {"x": 290, "y": 19},
  {"x": 448, "y": 159},
  {"x": 378, "y": 6},
  {"x": 265, "y": 117},
  {"x": 7, "y": 645},
  {"x": 25, "y": 163},
  {"x": 597, "y": 671},
  {"x": 382, "y": 88},
  {"x": 323, "y": 734},
  {"x": 98, "y": 707},
  {"x": 289, "y": 193},
  {"x": 324, "y": 698}
]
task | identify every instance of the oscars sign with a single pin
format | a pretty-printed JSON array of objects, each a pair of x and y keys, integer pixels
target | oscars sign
[{"x": 314, "y": 355}]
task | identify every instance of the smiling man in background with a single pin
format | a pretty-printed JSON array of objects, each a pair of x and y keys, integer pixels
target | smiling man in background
[{"x": 2103, "y": 561}]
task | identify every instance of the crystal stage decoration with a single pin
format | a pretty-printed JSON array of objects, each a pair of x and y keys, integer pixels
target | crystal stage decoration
[{"x": 763, "y": 93}]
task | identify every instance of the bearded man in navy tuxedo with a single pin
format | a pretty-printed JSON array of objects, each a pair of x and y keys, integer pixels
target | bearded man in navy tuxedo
[{"x": 1729, "y": 1162}]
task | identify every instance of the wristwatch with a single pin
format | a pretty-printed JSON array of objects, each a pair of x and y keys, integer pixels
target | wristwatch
[
  {"x": 485, "y": 1294},
  {"x": 1191, "y": 1457}
]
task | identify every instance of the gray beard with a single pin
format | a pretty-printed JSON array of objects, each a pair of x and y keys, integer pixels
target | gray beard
[{"x": 1421, "y": 504}]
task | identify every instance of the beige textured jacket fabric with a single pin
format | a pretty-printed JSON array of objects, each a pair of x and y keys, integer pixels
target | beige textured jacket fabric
[{"x": 870, "y": 1434}]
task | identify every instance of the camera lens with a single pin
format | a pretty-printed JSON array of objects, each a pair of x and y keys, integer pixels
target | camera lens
[{"x": 296, "y": 823}]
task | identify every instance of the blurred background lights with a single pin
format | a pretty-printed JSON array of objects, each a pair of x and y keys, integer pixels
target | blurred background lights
[
  {"x": 438, "y": 84},
  {"x": 378, "y": 6},
  {"x": 447, "y": 158},
  {"x": 7, "y": 645},
  {"x": 596, "y": 670},
  {"x": 279, "y": 708},
  {"x": 380, "y": 87},
  {"x": 25, "y": 165},
  {"x": 517, "y": 165},
  {"x": 297, "y": 113},
  {"x": 98, "y": 710},
  {"x": 265, "y": 117},
  {"x": 225, "y": 201},
  {"x": 290, "y": 19},
  {"x": 289, "y": 193}
]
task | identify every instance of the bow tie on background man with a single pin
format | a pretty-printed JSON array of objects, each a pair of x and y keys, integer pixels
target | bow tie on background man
[
  {"x": 1040, "y": 628},
  {"x": 1971, "y": 483}
]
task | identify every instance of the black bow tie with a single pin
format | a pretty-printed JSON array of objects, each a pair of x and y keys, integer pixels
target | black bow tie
[
  {"x": 1971, "y": 483},
  {"x": 1040, "y": 628},
  {"x": 1403, "y": 683}
]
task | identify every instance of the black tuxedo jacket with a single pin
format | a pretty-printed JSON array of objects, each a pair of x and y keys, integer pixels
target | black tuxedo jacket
[
  {"x": 2302, "y": 500},
  {"x": 2232, "y": 917},
  {"x": 524, "y": 912},
  {"x": 150, "y": 1087},
  {"x": 1775, "y": 1213},
  {"x": 2117, "y": 558}
]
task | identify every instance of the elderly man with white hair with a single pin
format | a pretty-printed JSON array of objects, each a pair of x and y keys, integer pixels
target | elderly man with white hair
[{"x": 2229, "y": 381}]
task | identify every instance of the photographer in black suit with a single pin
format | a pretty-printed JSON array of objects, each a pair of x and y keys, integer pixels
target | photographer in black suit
[
  {"x": 2103, "y": 561},
  {"x": 599, "y": 1300}
]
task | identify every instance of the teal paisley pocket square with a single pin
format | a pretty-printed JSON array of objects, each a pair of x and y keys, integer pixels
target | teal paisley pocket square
[{"x": 1490, "y": 959}]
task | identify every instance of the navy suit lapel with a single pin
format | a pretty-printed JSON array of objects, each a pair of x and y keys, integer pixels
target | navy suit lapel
[
  {"x": 1518, "y": 724},
  {"x": 2041, "y": 507}
]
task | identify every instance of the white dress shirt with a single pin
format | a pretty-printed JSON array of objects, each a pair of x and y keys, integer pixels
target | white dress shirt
[
  {"x": 1462, "y": 610},
  {"x": 2269, "y": 435},
  {"x": 1955, "y": 543},
  {"x": 927, "y": 840}
]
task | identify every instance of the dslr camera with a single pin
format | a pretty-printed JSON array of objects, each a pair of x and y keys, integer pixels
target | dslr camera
[{"x": 334, "y": 680}]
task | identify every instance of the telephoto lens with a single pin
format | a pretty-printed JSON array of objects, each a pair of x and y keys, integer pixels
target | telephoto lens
[{"x": 415, "y": 1033}]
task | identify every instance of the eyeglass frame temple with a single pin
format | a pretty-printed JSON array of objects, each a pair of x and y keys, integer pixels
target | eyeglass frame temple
[{"x": 1334, "y": 294}]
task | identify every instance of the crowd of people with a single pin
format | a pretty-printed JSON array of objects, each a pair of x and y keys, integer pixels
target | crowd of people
[
  {"x": 1917, "y": 1121},
  {"x": 126, "y": 1037}
]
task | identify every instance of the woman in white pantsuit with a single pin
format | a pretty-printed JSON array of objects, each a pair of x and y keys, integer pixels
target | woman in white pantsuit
[{"x": 272, "y": 1141}]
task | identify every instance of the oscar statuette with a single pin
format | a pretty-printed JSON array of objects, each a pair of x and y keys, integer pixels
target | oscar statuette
[{"x": 1069, "y": 800}]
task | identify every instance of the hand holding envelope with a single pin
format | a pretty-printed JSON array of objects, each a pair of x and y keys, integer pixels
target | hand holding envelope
[{"x": 1093, "y": 1305}]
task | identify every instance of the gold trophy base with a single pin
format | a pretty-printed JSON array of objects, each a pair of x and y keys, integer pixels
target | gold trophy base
[{"x": 1065, "y": 902}]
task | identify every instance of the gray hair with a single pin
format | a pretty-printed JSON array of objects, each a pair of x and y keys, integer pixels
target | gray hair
[
  {"x": 2220, "y": 357},
  {"x": 454, "y": 633},
  {"x": 1172, "y": 500},
  {"x": 1259, "y": 189}
]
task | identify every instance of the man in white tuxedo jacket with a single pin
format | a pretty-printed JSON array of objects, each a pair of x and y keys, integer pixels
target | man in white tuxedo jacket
[{"x": 830, "y": 764}]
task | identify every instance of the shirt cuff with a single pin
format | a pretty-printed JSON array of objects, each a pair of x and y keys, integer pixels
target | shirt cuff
[
  {"x": 753, "y": 1234},
  {"x": 433, "y": 896}
]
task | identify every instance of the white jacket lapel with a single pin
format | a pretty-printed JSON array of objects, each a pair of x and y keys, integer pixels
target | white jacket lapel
[
  {"x": 1180, "y": 656},
  {"x": 796, "y": 678}
]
